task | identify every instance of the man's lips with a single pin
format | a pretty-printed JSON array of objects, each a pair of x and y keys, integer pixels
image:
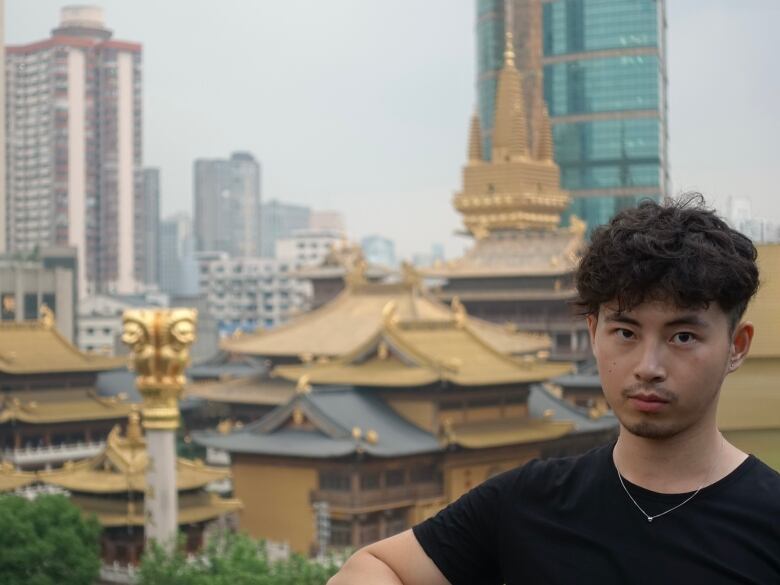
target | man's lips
[{"x": 647, "y": 402}]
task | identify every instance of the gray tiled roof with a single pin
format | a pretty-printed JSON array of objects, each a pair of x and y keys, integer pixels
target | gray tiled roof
[
  {"x": 540, "y": 400},
  {"x": 334, "y": 412}
]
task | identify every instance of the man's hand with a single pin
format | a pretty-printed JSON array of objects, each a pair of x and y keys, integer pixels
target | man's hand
[{"x": 398, "y": 560}]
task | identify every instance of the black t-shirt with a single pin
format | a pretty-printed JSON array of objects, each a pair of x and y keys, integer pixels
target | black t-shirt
[{"x": 564, "y": 521}]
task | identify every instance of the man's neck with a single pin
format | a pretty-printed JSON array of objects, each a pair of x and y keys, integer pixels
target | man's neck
[{"x": 679, "y": 464}]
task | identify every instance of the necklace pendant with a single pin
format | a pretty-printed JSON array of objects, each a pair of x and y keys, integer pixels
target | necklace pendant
[{"x": 649, "y": 518}]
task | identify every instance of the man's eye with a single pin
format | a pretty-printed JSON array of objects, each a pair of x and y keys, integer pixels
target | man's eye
[
  {"x": 684, "y": 338},
  {"x": 624, "y": 333}
]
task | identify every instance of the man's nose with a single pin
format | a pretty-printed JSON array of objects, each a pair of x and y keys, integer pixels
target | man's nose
[{"x": 650, "y": 368}]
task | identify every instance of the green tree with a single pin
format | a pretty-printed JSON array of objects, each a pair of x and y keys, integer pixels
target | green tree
[
  {"x": 47, "y": 542},
  {"x": 230, "y": 560}
]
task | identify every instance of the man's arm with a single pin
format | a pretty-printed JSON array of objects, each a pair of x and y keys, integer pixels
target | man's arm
[{"x": 398, "y": 560}]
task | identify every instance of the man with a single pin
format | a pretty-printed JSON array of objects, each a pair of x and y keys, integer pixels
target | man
[{"x": 664, "y": 288}]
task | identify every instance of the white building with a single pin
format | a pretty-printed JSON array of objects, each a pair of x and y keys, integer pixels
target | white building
[
  {"x": 309, "y": 247},
  {"x": 100, "y": 319},
  {"x": 250, "y": 293}
]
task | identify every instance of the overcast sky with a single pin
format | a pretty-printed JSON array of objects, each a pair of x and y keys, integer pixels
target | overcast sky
[{"x": 362, "y": 105}]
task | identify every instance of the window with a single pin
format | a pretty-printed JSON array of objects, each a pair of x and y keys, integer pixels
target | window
[
  {"x": 369, "y": 481},
  {"x": 334, "y": 480},
  {"x": 424, "y": 474},
  {"x": 394, "y": 477}
]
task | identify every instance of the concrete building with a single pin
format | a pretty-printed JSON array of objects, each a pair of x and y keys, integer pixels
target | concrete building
[
  {"x": 50, "y": 279},
  {"x": 600, "y": 66},
  {"x": 250, "y": 293},
  {"x": 100, "y": 319},
  {"x": 280, "y": 220},
  {"x": 151, "y": 218},
  {"x": 73, "y": 139},
  {"x": 378, "y": 250},
  {"x": 178, "y": 267},
  {"x": 227, "y": 205},
  {"x": 309, "y": 247}
]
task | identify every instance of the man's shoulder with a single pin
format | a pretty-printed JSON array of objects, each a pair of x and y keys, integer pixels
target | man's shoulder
[{"x": 558, "y": 473}]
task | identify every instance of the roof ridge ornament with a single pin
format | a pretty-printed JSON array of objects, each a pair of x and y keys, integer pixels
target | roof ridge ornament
[{"x": 46, "y": 316}]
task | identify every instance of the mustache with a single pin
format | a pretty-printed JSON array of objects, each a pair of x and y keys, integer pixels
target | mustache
[{"x": 640, "y": 388}]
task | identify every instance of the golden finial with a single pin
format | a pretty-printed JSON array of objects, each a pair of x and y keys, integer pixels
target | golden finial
[
  {"x": 390, "y": 314},
  {"x": 356, "y": 276},
  {"x": 46, "y": 316},
  {"x": 509, "y": 51},
  {"x": 303, "y": 386},
  {"x": 383, "y": 352},
  {"x": 372, "y": 437},
  {"x": 410, "y": 275},
  {"x": 357, "y": 433},
  {"x": 459, "y": 312},
  {"x": 447, "y": 431},
  {"x": 134, "y": 434},
  {"x": 225, "y": 426}
]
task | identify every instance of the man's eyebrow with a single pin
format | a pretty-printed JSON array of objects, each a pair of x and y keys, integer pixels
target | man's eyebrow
[
  {"x": 618, "y": 317},
  {"x": 690, "y": 319}
]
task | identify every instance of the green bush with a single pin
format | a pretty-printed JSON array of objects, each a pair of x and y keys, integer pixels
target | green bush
[
  {"x": 47, "y": 541},
  {"x": 230, "y": 560}
]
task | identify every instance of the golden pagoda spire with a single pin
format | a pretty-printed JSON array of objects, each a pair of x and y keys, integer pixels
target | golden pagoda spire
[
  {"x": 510, "y": 141},
  {"x": 475, "y": 140},
  {"x": 543, "y": 143}
]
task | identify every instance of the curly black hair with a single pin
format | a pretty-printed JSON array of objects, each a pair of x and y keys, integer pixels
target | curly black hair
[{"x": 678, "y": 251}]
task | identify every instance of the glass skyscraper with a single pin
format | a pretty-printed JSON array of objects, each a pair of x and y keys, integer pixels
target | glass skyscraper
[{"x": 604, "y": 81}]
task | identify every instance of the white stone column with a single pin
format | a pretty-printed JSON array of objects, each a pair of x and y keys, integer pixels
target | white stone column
[{"x": 161, "y": 501}]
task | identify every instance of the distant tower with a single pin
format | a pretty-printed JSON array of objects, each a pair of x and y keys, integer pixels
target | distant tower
[
  {"x": 73, "y": 135},
  {"x": 227, "y": 205}
]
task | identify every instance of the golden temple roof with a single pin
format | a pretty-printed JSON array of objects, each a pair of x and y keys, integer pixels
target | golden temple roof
[
  {"x": 12, "y": 479},
  {"x": 354, "y": 318},
  {"x": 257, "y": 390},
  {"x": 66, "y": 405},
  {"x": 121, "y": 467},
  {"x": 32, "y": 347},
  {"x": 508, "y": 431},
  {"x": 193, "y": 507},
  {"x": 422, "y": 352}
]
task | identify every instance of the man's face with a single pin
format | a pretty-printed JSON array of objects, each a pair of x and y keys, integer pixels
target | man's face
[{"x": 662, "y": 367}]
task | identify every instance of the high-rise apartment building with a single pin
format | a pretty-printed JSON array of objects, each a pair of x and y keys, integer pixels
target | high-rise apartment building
[
  {"x": 73, "y": 139},
  {"x": 227, "y": 205},
  {"x": 601, "y": 67}
]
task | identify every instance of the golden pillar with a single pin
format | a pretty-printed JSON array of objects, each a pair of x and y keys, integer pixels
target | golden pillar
[{"x": 160, "y": 340}]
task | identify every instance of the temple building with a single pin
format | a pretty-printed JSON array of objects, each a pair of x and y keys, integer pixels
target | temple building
[
  {"x": 396, "y": 406},
  {"x": 521, "y": 266},
  {"x": 112, "y": 486},
  {"x": 50, "y": 408},
  {"x": 355, "y": 316},
  {"x": 749, "y": 408}
]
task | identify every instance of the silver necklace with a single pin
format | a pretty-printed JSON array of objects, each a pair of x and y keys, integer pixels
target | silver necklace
[{"x": 673, "y": 508}]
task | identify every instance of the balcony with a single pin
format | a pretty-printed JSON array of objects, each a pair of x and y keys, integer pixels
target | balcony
[
  {"x": 52, "y": 455},
  {"x": 378, "y": 499}
]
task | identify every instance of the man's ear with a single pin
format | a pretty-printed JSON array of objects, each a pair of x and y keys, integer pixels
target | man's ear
[
  {"x": 740, "y": 344},
  {"x": 593, "y": 321}
]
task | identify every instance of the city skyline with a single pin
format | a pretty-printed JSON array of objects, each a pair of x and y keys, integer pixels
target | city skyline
[{"x": 383, "y": 121}]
